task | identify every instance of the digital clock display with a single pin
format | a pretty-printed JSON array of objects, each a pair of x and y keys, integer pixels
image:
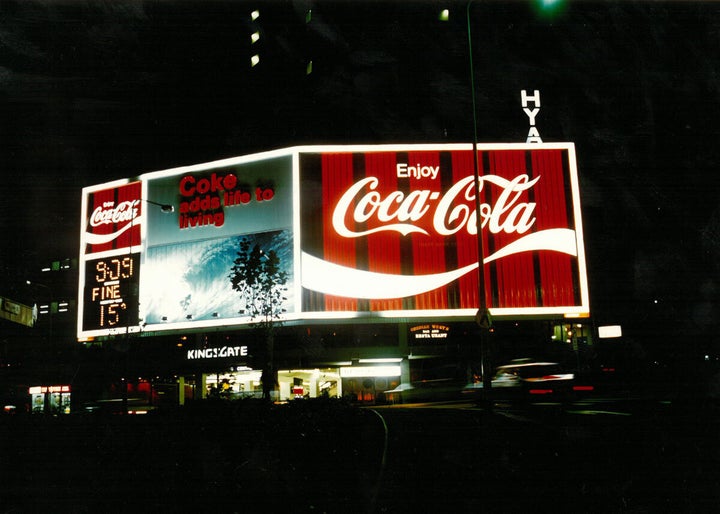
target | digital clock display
[{"x": 111, "y": 293}]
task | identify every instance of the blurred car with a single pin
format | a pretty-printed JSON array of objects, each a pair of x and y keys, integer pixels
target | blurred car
[
  {"x": 523, "y": 380},
  {"x": 424, "y": 391},
  {"x": 115, "y": 407}
]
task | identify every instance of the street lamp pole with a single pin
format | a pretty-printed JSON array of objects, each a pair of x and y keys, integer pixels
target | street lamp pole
[
  {"x": 47, "y": 403},
  {"x": 483, "y": 316},
  {"x": 165, "y": 208},
  {"x": 50, "y": 305}
]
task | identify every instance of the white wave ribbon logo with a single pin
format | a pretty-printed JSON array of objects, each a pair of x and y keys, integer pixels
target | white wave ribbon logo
[
  {"x": 125, "y": 211},
  {"x": 329, "y": 278}
]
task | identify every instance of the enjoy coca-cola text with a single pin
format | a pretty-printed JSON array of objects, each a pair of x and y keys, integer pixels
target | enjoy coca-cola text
[
  {"x": 109, "y": 213},
  {"x": 451, "y": 212}
]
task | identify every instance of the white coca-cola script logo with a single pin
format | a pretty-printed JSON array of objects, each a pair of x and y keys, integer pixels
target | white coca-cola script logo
[
  {"x": 108, "y": 214},
  {"x": 451, "y": 212},
  {"x": 124, "y": 211}
]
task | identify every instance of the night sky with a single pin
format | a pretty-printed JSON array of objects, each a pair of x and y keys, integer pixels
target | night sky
[{"x": 93, "y": 91}]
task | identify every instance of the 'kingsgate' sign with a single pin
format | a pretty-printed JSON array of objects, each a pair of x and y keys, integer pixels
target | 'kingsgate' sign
[
  {"x": 397, "y": 230},
  {"x": 217, "y": 352}
]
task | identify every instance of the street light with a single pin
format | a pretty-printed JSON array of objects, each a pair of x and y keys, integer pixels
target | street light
[
  {"x": 50, "y": 304},
  {"x": 483, "y": 316},
  {"x": 165, "y": 208},
  {"x": 547, "y": 9},
  {"x": 46, "y": 402}
]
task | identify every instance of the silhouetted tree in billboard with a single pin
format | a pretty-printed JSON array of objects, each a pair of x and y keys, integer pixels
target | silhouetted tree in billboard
[{"x": 258, "y": 277}]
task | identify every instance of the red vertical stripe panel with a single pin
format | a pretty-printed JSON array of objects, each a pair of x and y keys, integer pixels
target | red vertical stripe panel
[
  {"x": 515, "y": 277},
  {"x": 556, "y": 275},
  {"x": 384, "y": 246},
  {"x": 337, "y": 175},
  {"x": 428, "y": 249}
]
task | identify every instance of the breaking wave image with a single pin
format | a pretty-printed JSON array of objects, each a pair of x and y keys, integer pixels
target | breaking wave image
[{"x": 190, "y": 281}]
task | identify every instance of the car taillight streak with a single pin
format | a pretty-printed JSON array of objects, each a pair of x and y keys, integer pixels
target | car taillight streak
[{"x": 540, "y": 391}]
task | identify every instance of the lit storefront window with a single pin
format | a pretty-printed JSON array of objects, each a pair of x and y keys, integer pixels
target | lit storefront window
[
  {"x": 370, "y": 371},
  {"x": 234, "y": 384},
  {"x": 53, "y": 399}
]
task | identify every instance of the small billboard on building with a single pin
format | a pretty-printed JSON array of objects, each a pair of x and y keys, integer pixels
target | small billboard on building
[{"x": 17, "y": 312}]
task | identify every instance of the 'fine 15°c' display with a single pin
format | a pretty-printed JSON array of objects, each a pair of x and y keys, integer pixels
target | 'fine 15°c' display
[{"x": 111, "y": 292}]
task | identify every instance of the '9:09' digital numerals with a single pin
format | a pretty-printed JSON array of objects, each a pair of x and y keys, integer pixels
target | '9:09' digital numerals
[
  {"x": 113, "y": 270},
  {"x": 109, "y": 273}
]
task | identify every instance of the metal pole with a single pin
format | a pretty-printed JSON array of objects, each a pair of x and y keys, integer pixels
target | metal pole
[
  {"x": 165, "y": 208},
  {"x": 47, "y": 396},
  {"x": 482, "y": 314},
  {"x": 124, "y": 380},
  {"x": 50, "y": 306}
]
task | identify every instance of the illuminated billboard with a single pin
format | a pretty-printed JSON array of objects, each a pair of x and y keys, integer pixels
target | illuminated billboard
[
  {"x": 393, "y": 231},
  {"x": 361, "y": 231},
  {"x": 157, "y": 251}
]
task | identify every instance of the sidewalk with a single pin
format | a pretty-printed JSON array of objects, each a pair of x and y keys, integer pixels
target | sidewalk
[
  {"x": 224, "y": 457},
  {"x": 468, "y": 460},
  {"x": 329, "y": 456}
]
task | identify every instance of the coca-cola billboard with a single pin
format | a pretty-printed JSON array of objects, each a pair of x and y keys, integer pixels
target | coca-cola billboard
[
  {"x": 394, "y": 229},
  {"x": 114, "y": 218},
  {"x": 361, "y": 231},
  {"x": 157, "y": 251}
]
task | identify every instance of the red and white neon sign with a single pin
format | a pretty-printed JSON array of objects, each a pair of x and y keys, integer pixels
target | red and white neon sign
[
  {"x": 385, "y": 231},
  {"x": 114, "y": 218},
  {"x": 398, "y": 230}
]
